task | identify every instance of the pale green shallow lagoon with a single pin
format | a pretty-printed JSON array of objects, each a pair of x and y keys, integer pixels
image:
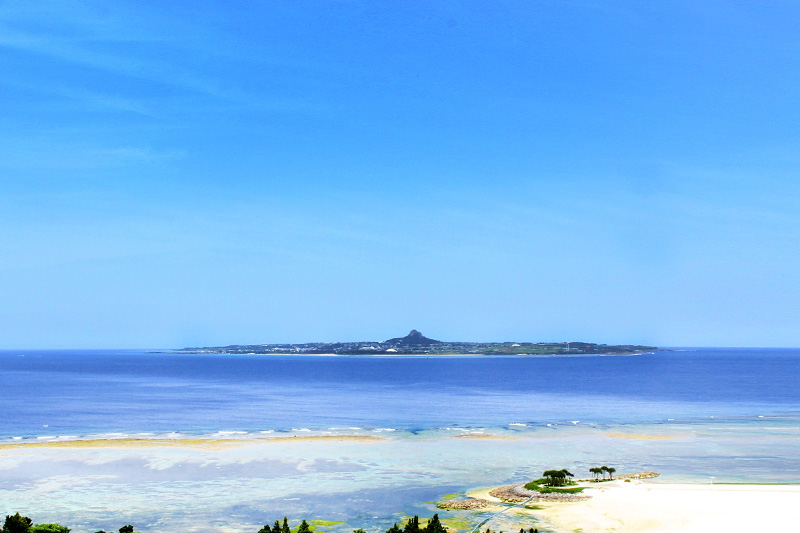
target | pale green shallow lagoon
[{"x": 371, "y": 484}]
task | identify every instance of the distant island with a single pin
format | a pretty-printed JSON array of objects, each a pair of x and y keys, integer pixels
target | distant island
[{"x": 415, "y": 343}]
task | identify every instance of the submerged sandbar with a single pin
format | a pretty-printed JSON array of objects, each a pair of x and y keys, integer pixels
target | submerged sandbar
[{"x": 208, "y": 442}]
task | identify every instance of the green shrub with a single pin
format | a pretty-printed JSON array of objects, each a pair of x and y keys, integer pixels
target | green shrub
[
  {"x": 538, "y": 486},
  {"x": 50, "y": 528}
]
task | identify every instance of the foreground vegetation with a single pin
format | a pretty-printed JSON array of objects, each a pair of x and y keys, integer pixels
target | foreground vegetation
[
  {"x": 22, "y": 524},
  {"x": 412, "y": 526}
]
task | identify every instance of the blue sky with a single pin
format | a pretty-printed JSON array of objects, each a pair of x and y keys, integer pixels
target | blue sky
[{"x": 204, "y": 173}]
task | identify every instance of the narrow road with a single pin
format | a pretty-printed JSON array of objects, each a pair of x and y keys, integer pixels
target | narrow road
[{"x": 486, "y": 520}]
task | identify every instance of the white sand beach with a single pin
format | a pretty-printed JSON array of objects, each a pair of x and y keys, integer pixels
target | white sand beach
[{"x": 656, "y": 507}]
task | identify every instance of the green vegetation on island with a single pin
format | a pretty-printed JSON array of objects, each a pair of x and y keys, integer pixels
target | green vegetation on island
[
  {"x": 415, "y": 343},
  {"x": 553, "y": 481}
]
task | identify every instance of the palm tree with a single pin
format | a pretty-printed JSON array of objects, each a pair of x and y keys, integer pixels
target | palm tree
[
  {"x": 611, "y": 471},
  {"x": 595, "y": 472},
  {"x": 603, "y": 470}
]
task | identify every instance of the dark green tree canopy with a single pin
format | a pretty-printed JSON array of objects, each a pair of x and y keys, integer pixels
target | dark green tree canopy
[
  {"x": 17, "y": 524},
  {"x": 435, "y": 526},
  {"x": 412, "y": 526},
  {"x": 555, "y": 478}
]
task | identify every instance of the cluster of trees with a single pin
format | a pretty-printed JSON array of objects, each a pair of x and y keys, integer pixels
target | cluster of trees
[
  {"x": 412, "y": 526},
  {"x": 278, "y": 528},
  {"x": 434, "y": 525},
  {"x": 599, "y": 471},
  {"x": 558, "y": 478},
  {"x": 22, "y": 524},
  {"x": 123, "y": 529}
]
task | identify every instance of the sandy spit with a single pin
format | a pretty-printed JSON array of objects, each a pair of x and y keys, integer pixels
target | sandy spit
[
  {"x": 188, "y": 443},
  {"x": 638, "y": 436},
  {"x": 484, "y": 436},
  {"x": 643, "y": 507}
]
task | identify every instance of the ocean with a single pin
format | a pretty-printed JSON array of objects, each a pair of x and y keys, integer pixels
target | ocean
[
  {"x": 51, "y": 393},
  {"x": 441, "y": 425}
]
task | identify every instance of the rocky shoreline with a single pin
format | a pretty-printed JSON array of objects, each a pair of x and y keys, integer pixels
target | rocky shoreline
[
  {"x": 465, "y": 505},
  {"x": 518, "y": 494},
  {"x": 639, "y": 475}
]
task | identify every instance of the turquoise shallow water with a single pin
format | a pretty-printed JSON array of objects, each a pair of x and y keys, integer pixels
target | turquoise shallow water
[
  {"x": 367, "y": 484},
  {"x": 731, "y": 414}
]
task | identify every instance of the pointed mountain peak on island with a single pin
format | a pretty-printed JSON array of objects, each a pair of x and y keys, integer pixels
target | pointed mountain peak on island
[{"x": 415, "y": 338}]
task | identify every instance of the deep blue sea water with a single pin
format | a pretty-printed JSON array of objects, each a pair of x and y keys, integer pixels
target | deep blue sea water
[
  {"x": 51, "y": 393},
  {"x": 447, "y": 425}
]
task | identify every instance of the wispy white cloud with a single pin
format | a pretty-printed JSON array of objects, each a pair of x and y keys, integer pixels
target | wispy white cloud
[
  {"x": 133, "y": 43},
  {"x": 85, "y": 99},
  {"x": 80, "y": 52},
  {"x": 90, "y": 20},
  {"x": 67, "y": 155}
]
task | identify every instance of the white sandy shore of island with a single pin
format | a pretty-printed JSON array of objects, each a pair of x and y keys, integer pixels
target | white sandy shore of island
[
  {"x": 379, "y": 354},
  {"x": 690, "y": 508}
]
